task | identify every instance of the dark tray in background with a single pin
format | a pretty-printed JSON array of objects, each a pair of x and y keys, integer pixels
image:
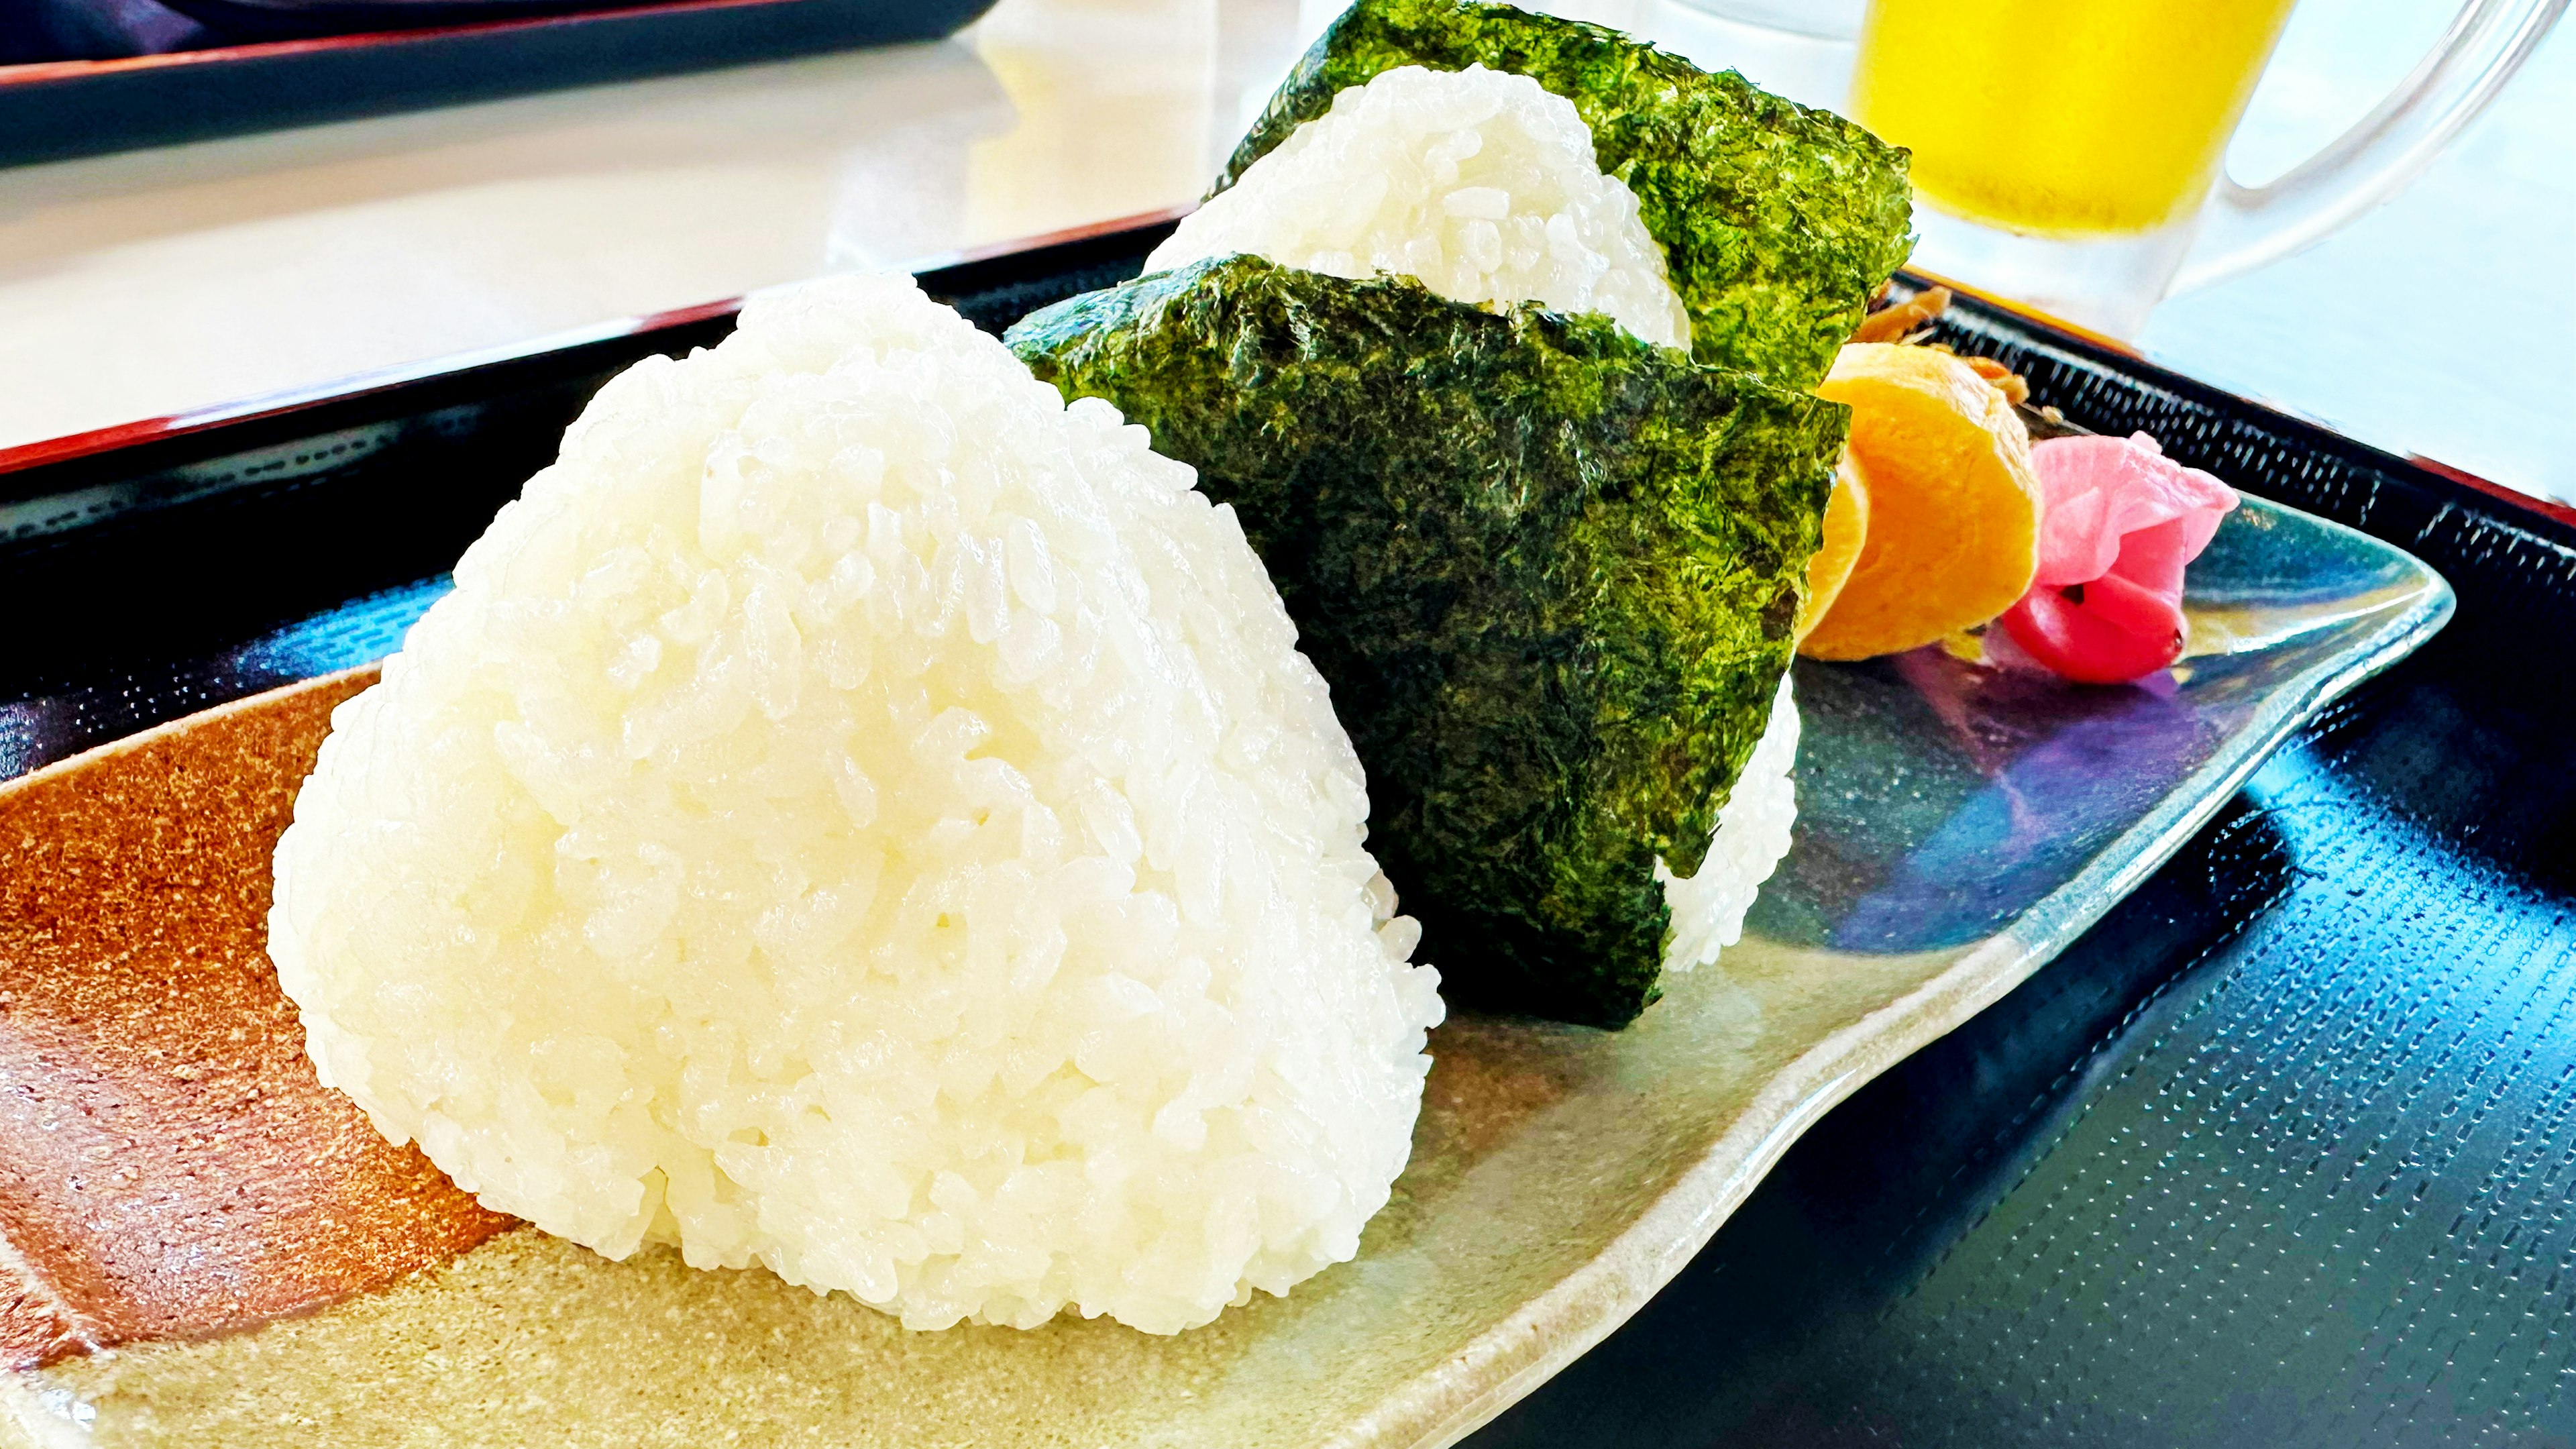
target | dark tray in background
[
  {"x": 55, "y": 109},
  {"x": 2282, "y": 1152}
]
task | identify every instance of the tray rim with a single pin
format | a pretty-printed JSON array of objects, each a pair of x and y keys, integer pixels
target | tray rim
[
  {"x": 941, "y": 270},
  {"x": 279, "y": 403}
]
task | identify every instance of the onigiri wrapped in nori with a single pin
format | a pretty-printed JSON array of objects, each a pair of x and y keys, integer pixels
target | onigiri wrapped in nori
[
  {"x": 1777, "y": 221},
  {"x": 1550, "y": 570},
  {"x": 859, "y": 814}
]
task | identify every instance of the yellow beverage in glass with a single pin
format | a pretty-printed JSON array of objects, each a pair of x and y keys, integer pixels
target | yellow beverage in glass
[{"x": 2063, "y": 117}]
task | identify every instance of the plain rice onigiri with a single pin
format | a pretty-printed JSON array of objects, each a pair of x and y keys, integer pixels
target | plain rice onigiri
[
  {"x": 858, "y": 814},
  {"x": 1478, "y": 183}
]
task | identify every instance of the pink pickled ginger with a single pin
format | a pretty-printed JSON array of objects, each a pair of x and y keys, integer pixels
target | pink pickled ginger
[{"x": 2119, "y": 522}]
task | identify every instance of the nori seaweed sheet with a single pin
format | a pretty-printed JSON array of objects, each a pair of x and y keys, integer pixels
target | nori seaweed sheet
[
  {"x": 1778, "y": 222},
  {"x": 1549, "y": 571}
]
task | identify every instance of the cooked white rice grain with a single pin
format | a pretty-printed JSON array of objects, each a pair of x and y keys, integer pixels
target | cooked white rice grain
[
  {"x": 1751, "y": 837},
  {"x": 860, "y": 815},
  {"x": 1479, "y": 183}
]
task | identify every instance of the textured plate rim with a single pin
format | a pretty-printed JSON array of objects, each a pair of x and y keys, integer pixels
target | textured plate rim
[{"x": 1510, "y": 1359}]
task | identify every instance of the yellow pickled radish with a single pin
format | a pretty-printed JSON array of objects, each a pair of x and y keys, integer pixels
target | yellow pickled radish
[
  {"x": 1846, "y": 524},
  {"x": 1952, "y": 536}
]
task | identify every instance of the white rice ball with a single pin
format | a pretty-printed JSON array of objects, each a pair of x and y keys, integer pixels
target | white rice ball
[
  {"x": 1748, "y": 843},
  {"x": 1480, "y": 184},
  {"x": 858, "y": 814}
]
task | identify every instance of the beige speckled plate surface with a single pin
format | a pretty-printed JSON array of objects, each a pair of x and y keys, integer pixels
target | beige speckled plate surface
[{"x": 1958, "y": 827}]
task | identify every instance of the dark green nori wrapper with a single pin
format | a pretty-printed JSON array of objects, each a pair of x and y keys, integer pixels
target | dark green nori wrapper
[
  {"x": 1549, "y": 571},
  {"x": 1778, "y": 222}
]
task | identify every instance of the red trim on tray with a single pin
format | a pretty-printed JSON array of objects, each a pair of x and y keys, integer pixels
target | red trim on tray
[
  {"x": 263, "y": 405},
  {"x": 121, "y": 435},
  {"x": 39, "y": 72},
  {"x": 2549, "y": 508}
]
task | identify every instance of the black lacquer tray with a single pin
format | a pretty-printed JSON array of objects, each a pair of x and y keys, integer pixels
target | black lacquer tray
[{"x": 2281, "y": 1152}]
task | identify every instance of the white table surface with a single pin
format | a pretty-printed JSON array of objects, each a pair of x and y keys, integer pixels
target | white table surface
[{"x": 170, "y": 280}]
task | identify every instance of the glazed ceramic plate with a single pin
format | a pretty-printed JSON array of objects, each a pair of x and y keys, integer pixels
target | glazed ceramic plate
[{"x": 1959, "y": 824}]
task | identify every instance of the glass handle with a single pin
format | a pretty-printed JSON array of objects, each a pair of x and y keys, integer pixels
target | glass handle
[{"x": 2244, "y": 227}]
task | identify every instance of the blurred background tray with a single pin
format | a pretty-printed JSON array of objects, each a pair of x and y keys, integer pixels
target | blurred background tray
[
  {"x": 2281, "y": 1152},
  {"x": 55, "y": 109}
]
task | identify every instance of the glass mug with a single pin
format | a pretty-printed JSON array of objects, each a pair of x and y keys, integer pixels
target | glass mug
[{"x": 2069, "y": 154}]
